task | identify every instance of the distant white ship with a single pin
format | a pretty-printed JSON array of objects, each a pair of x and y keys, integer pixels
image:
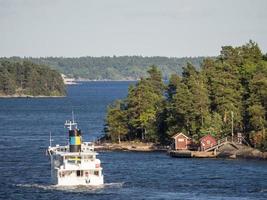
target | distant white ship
[
  {"x": 76, "y": 163},
  {"x": 68, "y": 81}
]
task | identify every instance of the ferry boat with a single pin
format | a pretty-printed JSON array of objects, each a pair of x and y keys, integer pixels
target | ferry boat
[{"x": 75, "y": 163}]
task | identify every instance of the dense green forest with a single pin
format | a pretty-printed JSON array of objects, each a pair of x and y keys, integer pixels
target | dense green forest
[
  {"x": 232, "y": 86},
  {"x": 29, "y": 79},
  {"x": 113, "y": 68}
]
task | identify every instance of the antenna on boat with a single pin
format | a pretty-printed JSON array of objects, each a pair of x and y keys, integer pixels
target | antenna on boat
[
  {"x": 72, "y": 116},
  {"x": 70, "y": 123},
  {"x": 50, "y": 140}
]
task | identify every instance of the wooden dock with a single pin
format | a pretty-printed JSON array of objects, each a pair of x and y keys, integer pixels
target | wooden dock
[
  {"x": 203, "y": 154},
  {"x": 191, "y": 154},
  {"x": 221, "y": 143},
  {"x": 211, "y": 152},
  {"x": 180, "y": 154}
]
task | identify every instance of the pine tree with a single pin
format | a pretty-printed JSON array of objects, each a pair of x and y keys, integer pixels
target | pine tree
[
  {"x": 116, "y": 119},
  {"x": 225, "y": 91},
  {"x": 143, "y": 105},
  {"x": 174, "y": 81},
  {"x": 257, "y": 106},
  {"x": 200, "y": 100},
  {"x": 189, "y": 105},
  {"x": 180, "y": 111}
]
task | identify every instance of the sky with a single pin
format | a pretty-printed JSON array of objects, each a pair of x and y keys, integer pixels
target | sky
[{"x": 172, "y": 28}]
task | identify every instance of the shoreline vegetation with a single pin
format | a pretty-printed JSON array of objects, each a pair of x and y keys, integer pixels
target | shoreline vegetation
[
  {"x": 28, "y": 80},
  {"x": 108, "y": 80},
  {"x": 111, "y": 68},
  {"x": 28, "y": 96},
  {"x": 226, "y": 97},
  {"x": 123, "y": 79}
]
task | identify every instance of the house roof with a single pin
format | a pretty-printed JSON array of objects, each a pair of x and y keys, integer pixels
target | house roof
[
  {"x": 208, "y": 135},
  {"x": 178, "y": 134}
]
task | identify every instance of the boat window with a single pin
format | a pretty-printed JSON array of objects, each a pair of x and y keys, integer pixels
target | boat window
[
  {"x": 96, "y": 173},
  {"x": 88, "y": 157},
  {"x": 71, "y": 161},
  {"x": 79, "y": 173}
]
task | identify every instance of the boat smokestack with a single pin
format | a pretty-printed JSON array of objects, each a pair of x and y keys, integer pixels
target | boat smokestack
[{"x": 75, "y": 140}]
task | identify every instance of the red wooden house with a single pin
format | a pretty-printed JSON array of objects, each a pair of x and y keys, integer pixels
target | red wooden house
[
  {"x": 181, "y": 141},
  {"x": 207, "y": 141}
]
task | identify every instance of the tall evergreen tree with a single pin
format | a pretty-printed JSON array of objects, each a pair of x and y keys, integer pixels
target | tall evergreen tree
[
  {"x": 174, "y": 81},
  {"x": 257, "y": 106},
  {"x": 225, "y": 92},
  {"x": 143, "y": 104},
  {"x": 116, "y": 119},
  {"x": 180, "y": 111}
]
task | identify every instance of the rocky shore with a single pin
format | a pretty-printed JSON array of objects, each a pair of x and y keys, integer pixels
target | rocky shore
[
  {"x": 226, "y": 151},
  {"x": 243, "y": 151},
  {"x": 130, "y": 146}
]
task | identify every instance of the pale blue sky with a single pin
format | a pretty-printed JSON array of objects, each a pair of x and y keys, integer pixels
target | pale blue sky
[{"x": 173, "y": 28}]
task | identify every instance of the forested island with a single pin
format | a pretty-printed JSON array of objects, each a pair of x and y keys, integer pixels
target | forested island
[
  {"x": 228, "y": 90},
  {"x": 112, "y": 68},
  {"x": 20, "y": 79}
]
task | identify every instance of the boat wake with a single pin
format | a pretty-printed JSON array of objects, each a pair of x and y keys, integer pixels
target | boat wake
[
  {"x": 263, "y": 190},
  {"x": 79, "y": 188}
]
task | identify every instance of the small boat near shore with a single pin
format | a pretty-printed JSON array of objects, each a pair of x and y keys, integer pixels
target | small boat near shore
[{"x": 76, "y": 163}]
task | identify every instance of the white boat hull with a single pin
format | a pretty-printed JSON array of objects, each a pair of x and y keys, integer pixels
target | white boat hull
[
  {"x": 75, "y": 168},
  {"x": 88, "y": 181}
]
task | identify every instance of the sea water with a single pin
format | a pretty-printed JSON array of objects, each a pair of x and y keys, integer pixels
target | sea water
[{"x": 26, "y": 124}]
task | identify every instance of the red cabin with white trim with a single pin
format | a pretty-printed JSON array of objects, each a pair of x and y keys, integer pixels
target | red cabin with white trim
[
  {"x": 207, "y": 141},
  {"x": 181, "y": 141}
]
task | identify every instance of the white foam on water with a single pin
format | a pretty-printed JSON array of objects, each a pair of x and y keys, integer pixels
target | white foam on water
[{"x": 79, "y": 188}]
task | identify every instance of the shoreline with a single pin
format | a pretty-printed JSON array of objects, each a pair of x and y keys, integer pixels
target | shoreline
[
  {"x": 29, "y": 96},
  {"x": 244, "y": 152},
  {"x": 130, "y": 146},
  {"x": 108, "y": 80}
]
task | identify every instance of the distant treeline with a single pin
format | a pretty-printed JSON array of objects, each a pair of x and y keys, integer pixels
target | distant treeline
[
  {"x": 114, "y": 68},
  {"x": 29, "y": 79},
  {"x": 231, "y": 87}
]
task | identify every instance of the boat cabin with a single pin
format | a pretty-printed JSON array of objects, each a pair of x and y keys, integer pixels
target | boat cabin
[
  {"x": 207, "y": 141},
  {"x": 181, "y": 141}
]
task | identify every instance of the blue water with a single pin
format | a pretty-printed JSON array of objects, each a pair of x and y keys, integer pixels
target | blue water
[{"x": 25, "y": 169}]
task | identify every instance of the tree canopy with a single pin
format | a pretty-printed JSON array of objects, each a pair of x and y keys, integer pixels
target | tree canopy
[
  {"x": 27, "y": 78},
  {"x": 230, "y": 88},
  {"x": 113, "y": 68}
]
